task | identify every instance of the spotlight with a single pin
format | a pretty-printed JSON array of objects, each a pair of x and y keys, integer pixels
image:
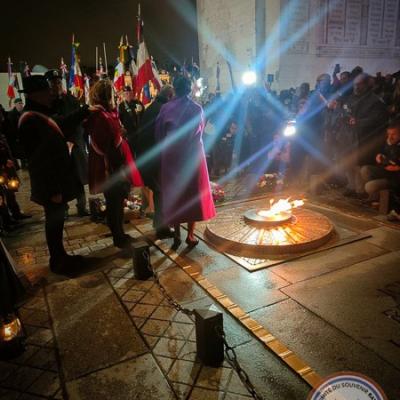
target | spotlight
[
  {"x": 290, "y": 129},
  {"x": 11, "y": 337},
  {"x": 249, "y": 78}
]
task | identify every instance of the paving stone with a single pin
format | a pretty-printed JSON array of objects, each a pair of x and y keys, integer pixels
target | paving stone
[
  {"x": 189, "y": 352},
  {"x": 46, "y": 385},
  {"x": 325, "y": 348},
  {"x": 178, "y": 331},
  {"x": 181, "y": 390},
  {"x": 6, "y": 394},
  {"x": 36, "y": 303},
  {"x": 133, "y": 296},
  {"x": 385, "y": 237},
  {"x": 142, "y": 310},
  {"x": 153, "y": 297},
  {"x": 93, "y": 331},
  {"x": 44, "y": 358},
  {"x": 137, "y": 379},
  {"x": 236, "y": 387},
  {"x": 166, "y": 313},
  {"x": 151, "y": 340},
  {"x": 6, "y": 368},
  {"x": 38, "y": 336},
  {"x": 204, "y": 394},
  {"x": 155, "y": 327},
  {"x": 139, "y": 322},
  {"x": 327, "y": 261},
  {"x": 184, "y": 372},
  {"x": 272, "y": 379},
  {"x": 165, "y": 363},
  {"x": 26, "y": 355},
  {"x": 234, "y": 396},
  {"x": 353, "y": 300},
  {"x": 168, "y": 347},
  {"x": 180, "y": 286},
  {"x": 214, "y": 378},
  {"x": 21, "y": 378},
  {"x": 250, "y": 291}
]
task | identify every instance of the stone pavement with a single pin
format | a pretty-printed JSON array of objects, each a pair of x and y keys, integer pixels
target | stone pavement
[{"x": 105, "y": 335}]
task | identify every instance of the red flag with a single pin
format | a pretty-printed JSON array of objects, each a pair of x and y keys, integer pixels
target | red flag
[{"x": 11, "y": 81}]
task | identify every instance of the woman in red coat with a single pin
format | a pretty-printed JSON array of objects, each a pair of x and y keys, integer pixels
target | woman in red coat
[
  {"x": 112, "y": 170},
  {"x": 185, "y": 186}
]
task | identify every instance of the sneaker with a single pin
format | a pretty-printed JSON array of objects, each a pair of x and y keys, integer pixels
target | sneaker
[{"x": 393, "y": 216}]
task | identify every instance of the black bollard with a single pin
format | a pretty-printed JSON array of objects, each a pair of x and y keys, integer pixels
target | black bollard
[
  {"x": 210, "y": 346},
  {"x": 141, "y": 261}
]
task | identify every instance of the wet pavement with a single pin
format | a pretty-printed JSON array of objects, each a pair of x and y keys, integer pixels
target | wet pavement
[{"x": 106, "y": 335}]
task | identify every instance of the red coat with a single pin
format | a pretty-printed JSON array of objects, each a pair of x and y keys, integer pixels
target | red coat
[
  {"x": 109, "y": 153},
  {"x": 185, "y": 186}
]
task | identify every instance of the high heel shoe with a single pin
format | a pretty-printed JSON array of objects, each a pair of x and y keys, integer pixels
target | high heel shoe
[{"x": 192, "y": 243}]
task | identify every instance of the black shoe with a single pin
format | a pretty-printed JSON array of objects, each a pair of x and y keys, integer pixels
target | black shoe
[
  {"x": 192, "y": 243},
  {"x": 124, "y": 242},
  {"x": 163, "y": 233},
  {"x": 22, "y": 216},
  {"x": 67, "y": 265}
]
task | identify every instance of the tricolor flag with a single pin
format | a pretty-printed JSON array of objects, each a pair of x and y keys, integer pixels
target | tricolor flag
[
  {"x": 132, "y": 64},
  {"x": 119, "y": 74},
  {"x": 87, "y": 88},
  {"x": 12, "y": 82},
  {"x": 76, "y": 84},
  {"x": 145, "y": 68},
  {"x": 64, "y": 72}
]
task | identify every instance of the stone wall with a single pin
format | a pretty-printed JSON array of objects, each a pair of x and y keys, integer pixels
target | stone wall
[{"x": 303, "y": 38}]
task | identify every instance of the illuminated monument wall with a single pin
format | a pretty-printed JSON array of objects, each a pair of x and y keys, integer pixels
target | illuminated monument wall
[{"x": 301, "y": 38}]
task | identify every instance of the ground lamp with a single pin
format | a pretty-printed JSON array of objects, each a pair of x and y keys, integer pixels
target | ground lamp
[
  {"x": 290, "y": 129},
  {"x": 3, "y": 180},
  {"x": 13, "y": 184},
  {"x": 249, "y": 78},
  {"x": 12, "y": 292}
]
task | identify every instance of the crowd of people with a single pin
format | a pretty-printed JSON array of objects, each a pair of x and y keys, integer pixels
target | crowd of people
[
  {"x": 348, "y": 134},
  {"x": 342, "y": 126}
]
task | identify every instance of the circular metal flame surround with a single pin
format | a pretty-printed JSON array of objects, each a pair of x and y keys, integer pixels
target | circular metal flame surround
[
  {"x": 253, "y": 218},
  {"x": 305, "y": 231}
]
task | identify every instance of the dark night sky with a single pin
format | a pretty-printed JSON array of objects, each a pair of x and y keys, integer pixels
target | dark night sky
[{"x": 40, "y": 31}]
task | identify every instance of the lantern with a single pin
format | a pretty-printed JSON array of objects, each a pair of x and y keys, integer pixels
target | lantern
[
  {"x": 3, "y": 180},
  {"x": 11, "y": 336},
  {"x": 13, "y": 184}
]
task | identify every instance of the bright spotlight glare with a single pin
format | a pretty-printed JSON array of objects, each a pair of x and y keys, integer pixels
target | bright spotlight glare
[
  {"x": 290, "y": 130},
  {"x": 249, "y": 78},
  {"x": 198, "y": 93},
  {"x": 199, "y": 82}
]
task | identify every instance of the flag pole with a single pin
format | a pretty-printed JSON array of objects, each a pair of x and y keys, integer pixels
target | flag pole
[
  {"x": 105, "y": 57},
  {"x": 97, "y": 60}
]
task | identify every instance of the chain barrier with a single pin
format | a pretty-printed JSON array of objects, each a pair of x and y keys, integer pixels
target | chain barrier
[
  {"x": 167, "y": 296},
  {"x": 233, "y": 361},
  {"x": 229, "y": 350}
]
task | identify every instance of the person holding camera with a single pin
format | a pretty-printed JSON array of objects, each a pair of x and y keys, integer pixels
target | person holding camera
[{"x": 386, "y": 173}]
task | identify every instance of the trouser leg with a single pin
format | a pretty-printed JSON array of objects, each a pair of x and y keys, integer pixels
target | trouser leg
[
  {"x": 81, "y": 201},
  {"x": 54, "y": 226},
  {"x": 12, "y": 204},
  {"x": 115, "y": 212}
]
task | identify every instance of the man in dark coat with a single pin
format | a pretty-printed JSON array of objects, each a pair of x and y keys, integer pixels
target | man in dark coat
[
  {"x": 11, "y": 131},
  {"x": 63, "y": 105},
  {"x": 367, "y": 121},
  {"x": 53, "y": 183},
  {"x": 130, "y": 113},
  {"x": 148, "y": 158}
]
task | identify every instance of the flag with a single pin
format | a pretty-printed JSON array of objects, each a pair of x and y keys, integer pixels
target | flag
[
  {"x": 12, "y": 82},
  {"x": 101, "y": 71},
  {"x": 27, "y": 70},
  {"x": 64, "y": 72},
  {"x": 119, "y": 74},
  {"x": 157, "y": 80},
  {"x": 76, "y": 83},
  {"x": 87, "y": 88},
  {"x": 145, "y": 69},
  {"x": 218, "y": 88},
  {"x": 132, "y": 64}
]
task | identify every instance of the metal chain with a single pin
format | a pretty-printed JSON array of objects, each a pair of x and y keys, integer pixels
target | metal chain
[
  {"x": 233, "y": 361},
  {"x": 167, "y": 296},
  {"x": 229, "y": 350}
]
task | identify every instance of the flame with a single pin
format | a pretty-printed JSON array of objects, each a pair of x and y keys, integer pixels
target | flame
[{"x": 282, "y": 205}]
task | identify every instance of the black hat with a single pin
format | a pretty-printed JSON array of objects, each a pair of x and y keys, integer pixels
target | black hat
[
  {"x": 52, "y": 74},
  {"x": 34, "y": 83},
  {"x": 17, "y": 100}
]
